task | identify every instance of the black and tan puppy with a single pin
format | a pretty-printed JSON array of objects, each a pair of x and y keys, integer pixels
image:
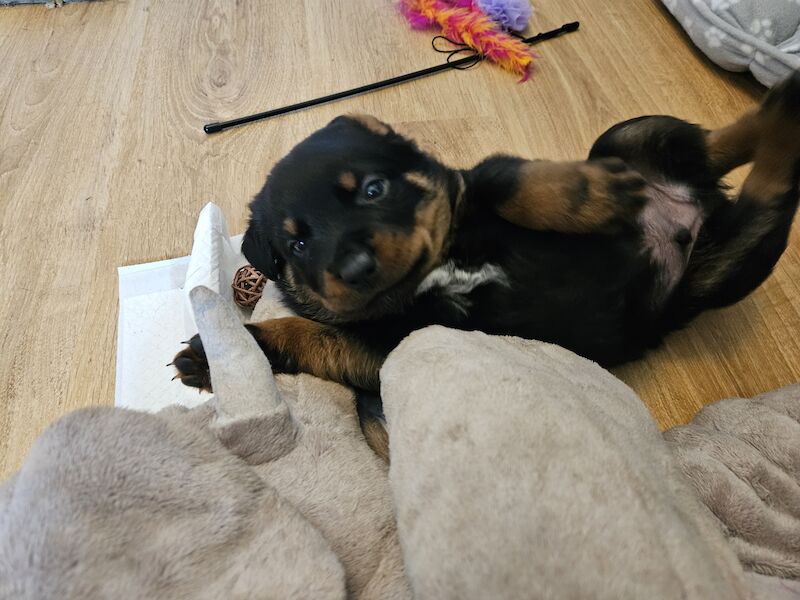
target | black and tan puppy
[{"x": 369, "y": 239}]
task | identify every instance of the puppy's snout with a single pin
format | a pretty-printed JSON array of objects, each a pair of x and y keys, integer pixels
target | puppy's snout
[{"x": 355, "y": 267}]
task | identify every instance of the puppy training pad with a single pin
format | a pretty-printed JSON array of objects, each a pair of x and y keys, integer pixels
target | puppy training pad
[{"x": 155, "y": 314}]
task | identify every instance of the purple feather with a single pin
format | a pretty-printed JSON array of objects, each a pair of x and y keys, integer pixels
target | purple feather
[{"x": 510, "y": 14}]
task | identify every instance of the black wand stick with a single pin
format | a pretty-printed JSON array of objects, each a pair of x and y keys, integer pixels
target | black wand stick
[{"x": 461, "y": 63}]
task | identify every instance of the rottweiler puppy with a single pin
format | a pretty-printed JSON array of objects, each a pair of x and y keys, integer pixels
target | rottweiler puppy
[{"x": 369, "y": 238}]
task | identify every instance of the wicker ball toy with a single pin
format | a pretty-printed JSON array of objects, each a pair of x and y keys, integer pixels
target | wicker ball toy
[{"x": 248, "y": 285}]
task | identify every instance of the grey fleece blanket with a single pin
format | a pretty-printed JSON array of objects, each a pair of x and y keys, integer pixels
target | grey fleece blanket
[
  {"x": 762, "y": 36},
  {"x": 518, "y": 470}
]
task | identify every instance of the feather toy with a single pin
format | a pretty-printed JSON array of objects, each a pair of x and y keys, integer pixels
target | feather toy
[
  {"x": 463, "y": 22},
  {"x": 457, "y": 63},
  {"x": 511, "y": 14}
]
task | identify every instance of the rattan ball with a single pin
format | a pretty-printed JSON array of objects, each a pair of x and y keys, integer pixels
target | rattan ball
[{"x": 248, "y": 285}]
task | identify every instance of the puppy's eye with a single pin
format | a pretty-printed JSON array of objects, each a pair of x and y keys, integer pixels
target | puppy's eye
[
  {"x": 375, "y": 188},
  {"x": 298, "y": 247}
]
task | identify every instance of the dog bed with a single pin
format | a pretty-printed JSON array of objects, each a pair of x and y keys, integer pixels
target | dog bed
[
  {"x": 760, "y": 35},
  {"x": 518, "y": 470}
]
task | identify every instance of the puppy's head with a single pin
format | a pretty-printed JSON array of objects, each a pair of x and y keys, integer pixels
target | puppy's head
[{"x": 351, "y": 220}]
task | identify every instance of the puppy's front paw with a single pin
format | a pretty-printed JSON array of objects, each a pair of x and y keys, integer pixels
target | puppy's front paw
[
  {"x": 192, "y": 365},
  {"x": 615, "y": 194}
]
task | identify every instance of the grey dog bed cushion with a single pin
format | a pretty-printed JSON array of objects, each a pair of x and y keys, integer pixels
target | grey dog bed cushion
[{"x": 760, "y": 35}]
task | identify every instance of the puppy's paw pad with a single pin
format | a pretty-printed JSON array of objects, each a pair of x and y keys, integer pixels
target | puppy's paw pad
[{"x": 192, "y": 366}]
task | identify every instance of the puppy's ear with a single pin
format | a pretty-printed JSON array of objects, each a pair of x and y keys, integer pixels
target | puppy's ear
[{"x": 260, "y": 253}]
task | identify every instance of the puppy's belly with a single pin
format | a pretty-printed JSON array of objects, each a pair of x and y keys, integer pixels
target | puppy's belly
[{"x": 670, "y": 222}]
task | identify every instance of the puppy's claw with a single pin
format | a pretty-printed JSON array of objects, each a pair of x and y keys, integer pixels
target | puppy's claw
[{"x": 192, "y": 365}]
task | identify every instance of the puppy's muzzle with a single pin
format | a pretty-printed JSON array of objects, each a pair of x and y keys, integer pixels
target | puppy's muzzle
[{"x": 355, "y": 267}]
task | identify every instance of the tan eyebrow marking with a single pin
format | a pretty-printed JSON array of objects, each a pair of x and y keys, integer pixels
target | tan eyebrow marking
[
  {"x": 290, "y": 227},
  {"x": 420, "y": 180},
  {"x": 348, "y": 181}
]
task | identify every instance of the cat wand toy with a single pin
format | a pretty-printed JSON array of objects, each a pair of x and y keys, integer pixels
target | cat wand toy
[{"x": 468, "y": 61}]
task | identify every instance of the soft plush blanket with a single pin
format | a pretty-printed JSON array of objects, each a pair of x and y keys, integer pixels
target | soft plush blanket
[
  {"x": 518, "y": 470},
  {"x": 762, "y": 36}
]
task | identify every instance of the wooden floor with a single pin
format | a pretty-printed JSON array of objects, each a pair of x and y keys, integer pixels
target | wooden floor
[{"x": 103, "y": 161}]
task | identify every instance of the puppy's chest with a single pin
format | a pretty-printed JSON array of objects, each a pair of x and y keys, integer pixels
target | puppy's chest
[
  {"x": 455, "y": 283},
  {"x": 476, "y": 272}
]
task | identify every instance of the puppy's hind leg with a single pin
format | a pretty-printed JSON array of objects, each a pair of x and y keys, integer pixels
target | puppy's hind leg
[
  {"x": 740, "y": 242},
  {"x": 733, "y": 146},
  {"x": 761, "y": 134}
]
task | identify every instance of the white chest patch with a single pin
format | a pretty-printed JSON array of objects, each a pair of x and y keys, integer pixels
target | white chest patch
[{"x": 456, "y": 284}]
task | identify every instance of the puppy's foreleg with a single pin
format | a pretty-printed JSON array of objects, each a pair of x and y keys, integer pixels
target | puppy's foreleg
[
  {"x": 595, "y": 196},
  {"x": 298, "y": 345}
]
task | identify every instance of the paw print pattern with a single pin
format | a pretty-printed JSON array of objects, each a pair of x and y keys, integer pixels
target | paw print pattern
[
  {"x": 722, "y": 4},
  {"x": 714, "y": 37},
  {"x": 762, "y": 28}
]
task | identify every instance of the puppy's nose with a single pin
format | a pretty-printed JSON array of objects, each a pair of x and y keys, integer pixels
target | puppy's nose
[{"x": 355, "y": 267}]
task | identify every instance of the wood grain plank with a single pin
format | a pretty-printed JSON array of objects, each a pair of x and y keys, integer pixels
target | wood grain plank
[{"x": 72, "y": 71}]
